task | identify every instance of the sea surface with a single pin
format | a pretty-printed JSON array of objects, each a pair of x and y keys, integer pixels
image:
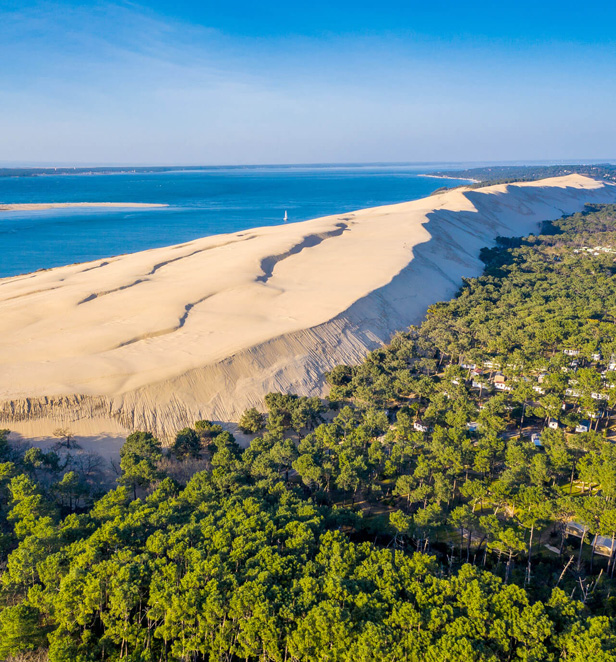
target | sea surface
[{"x": 201, "y": 202}]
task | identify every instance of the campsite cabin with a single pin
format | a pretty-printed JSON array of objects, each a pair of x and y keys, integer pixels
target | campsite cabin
[
  {"x": 603, "y": 545},
  {"x": 501, "y": 386},
  {"x": 500, "y": 382},
  {"x": 476, "y": 383},
  {"x": 420, "y": 426},
  {"x": 576, "y": 529},
  {"x": 553, "y": 423},
  {"x": 583, "y": 426}
]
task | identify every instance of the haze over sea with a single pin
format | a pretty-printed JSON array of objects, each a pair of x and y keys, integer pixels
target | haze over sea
[{"x": 203, "y": 202}]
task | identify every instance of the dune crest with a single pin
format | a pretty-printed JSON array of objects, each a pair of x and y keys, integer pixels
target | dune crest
[{"x": 161, "y": 338}]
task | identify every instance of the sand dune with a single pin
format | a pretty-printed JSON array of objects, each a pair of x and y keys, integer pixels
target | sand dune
[
  {"x": 41, "y": 206},
  {"x": 160, "y": 338}
]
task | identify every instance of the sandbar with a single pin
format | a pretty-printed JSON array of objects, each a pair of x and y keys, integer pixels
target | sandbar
[{"x": 41, "y": 206}]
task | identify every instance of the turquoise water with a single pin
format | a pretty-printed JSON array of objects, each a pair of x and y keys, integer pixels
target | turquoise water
[{"x": 203, "y": 202}]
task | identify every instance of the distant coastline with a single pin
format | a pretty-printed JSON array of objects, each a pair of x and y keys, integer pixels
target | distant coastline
[
  {"x": 126, "y": 170},
  {"x": 503, "y": 174},
  {"x": 470, "y": 179},
  {"x": 40, "y": 206}
]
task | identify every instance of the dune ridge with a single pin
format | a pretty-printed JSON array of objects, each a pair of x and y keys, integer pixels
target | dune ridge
[{"x": 161, "y": 338}]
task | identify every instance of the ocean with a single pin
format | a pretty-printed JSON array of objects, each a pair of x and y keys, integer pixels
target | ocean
[{"x": 201, "y": 202}]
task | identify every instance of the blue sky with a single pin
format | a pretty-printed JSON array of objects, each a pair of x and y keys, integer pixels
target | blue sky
[{"x": 303, "y": 82}]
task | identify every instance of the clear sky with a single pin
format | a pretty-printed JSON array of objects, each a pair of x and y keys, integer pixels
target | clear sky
[{"x": 260, "y": 81}]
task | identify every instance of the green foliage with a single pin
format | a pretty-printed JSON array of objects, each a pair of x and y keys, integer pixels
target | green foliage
[
  {"x": 4, "y": 443},
  {"x": 139, "y": 460},
  {"x": 199, "y": 575},
  {"x": 207, "y": 428},
  {"x": 27, "y": 506},
  {"x": 187, "y": 444},
  {"x": 505, "y": 174},
  {"x": 408, "y": 523},
  {"x": 20, "y": 630},
  {"x": 252, "y": 421}
]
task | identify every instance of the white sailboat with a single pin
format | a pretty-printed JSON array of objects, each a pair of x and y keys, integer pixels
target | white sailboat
[{"x": 286, "y": 218}]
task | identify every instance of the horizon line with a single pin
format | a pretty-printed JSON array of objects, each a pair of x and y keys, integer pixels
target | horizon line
[{"x": 323, "y": 164}]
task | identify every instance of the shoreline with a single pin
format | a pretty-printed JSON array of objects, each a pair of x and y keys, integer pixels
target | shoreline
[
  {"x": 41, "y": 206},
  {"x": 204, "y": 329},
  {"x": 456, "y": 179}
]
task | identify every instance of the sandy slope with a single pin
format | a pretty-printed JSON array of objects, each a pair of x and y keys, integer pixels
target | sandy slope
[
  {"x": 40, "y": 206},
  {"x": 160, "y": 338}
]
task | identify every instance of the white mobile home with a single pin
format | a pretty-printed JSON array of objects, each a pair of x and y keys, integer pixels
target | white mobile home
[
  {"x": 576, "y": 529},
  {"x": 603, "y": 545}
]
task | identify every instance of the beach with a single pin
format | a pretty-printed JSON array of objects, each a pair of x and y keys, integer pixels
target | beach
[{"x": 204, "y": 329}]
